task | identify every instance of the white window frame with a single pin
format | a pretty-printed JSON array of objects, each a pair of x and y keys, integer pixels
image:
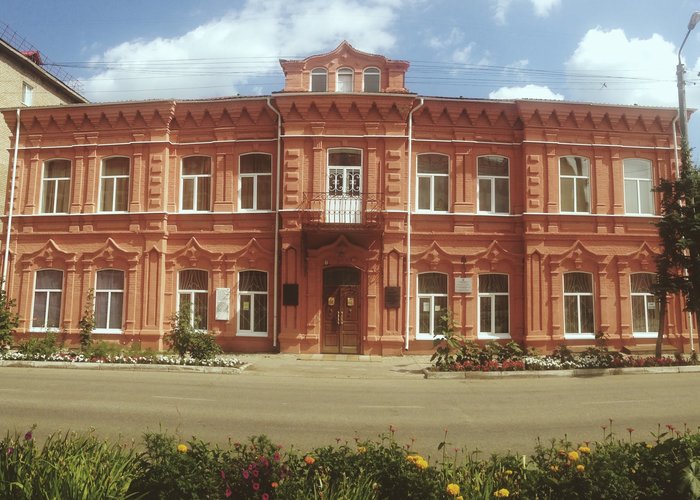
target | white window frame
[
  {"x": 344, "y": 73},
  {"x": 48, "y": 293},
  {"x": 637, "y": 182},
  {"x": 27, "y": 94},
  {"x": 578, "y": 295},
  {"x": 371, "y": 71},
  {"x": 113, "y": 180},
  {"x": 576, "y": 179},
  {"x": 110, "y": 293},
  {"x": 647, "y": 297},
  {"x": 431, "y": 178},
  {"x": 492, "y": 186},
  {"x": 195, "y": 178},
  {"x": 252, "y": 295},
  {"x": 255, "y": 177},
  {"x": 53, "y": 183},
  {"x": 431, "y": 297},
  {"x": 192, "y": 294},
  {"x": 317, "y": 72},
  {"x": 491, "y": 297}
]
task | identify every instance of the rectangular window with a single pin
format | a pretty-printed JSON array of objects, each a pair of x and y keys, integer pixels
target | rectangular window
[
  {"x": 48, "y": 287},
  {"x": 574, "y": 183},
  {"x": 55, "y": 197},
  {"x": 493, "y": 185},
  {"x": 578, "y": 305},
  {"x": 638, "y": 187},
  {"x": 433, "y": 182},
  {"x": 27, "y": 94},
  {"x": 193, "y": 289},
  {"x": 195, "y": 187},
  {"x": 645, "y": 315},
  {"x": 114, "y": 185},
  {"x": 252, "y": 304},
  {"x": 109, "y": 301},
  {"x": 493, "y": 306},
  {"x": 255, "y": 182},
  {"x": 432, "y": 305}
]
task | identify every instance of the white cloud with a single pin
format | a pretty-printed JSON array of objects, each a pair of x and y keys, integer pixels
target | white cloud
[
  {"x": 238, "y": 52},
  {"x": 529, "y": 91},
  {"x": 542, "y": 8},
  {"x": 454, "y": 37},
  {"x": 609, "y": 67}
]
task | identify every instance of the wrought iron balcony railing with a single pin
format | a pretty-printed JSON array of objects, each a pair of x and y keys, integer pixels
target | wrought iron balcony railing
[{"x": 350, "y": 211}]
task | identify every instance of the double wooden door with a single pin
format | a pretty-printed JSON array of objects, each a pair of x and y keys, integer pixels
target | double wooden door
[{"x": 341, "y": 311}]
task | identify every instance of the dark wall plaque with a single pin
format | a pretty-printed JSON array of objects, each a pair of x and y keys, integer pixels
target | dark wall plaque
[
  {"x": 290, "y": 294},
  {"x": 392, "y": 297}
]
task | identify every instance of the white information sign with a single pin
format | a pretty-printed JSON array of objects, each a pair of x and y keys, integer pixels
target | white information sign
[
  {"x": 223, "y": 299},
  {"x": 463, "y": 285}
]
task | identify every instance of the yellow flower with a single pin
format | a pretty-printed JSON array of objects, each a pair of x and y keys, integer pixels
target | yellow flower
[
  {"x": 580, "y": 468},
  {"x": 573, "y": 456},
  {"x": 584, "y": 449},
  {"x": 361, "y": 449},
  {"x": 422, "y": 464},
  {"x": 182, "y": 448},
  {"x": 460, "y": 497},
  {"x": 649, "y": 446},
  {"x": 309, "y": 460},
  {"x": 502, "y": 493},
  {"x": 554, "y": 468},
  {"x": 508, "y": 472},
  {"x": 453, "y": 489}
]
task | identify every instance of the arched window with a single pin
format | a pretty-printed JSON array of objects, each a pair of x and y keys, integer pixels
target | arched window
[
  {"x": 319, "y": 80},
  {"x": 344, "y": 77},
  {"x": 433, "y": 182},
  {"x": 114, "y": 184},
  {"x": 195, "y": 184},
  {"x": 432, "y": 304},
  {"x": 252, "y": 303},
  {"x": 109, "y": 301},
  {"x": 645, "y": 316},
  {"x": 493, "y": 306},
  {"x": 578, "y": 304},
  {"x": 371, "y": 78},
  {"x": 193, "y": 289},
  {"x": 55, "y": 187},
  {"x": 493, "y": 185},
  {"x": 638, "y": 194},
  {"x": 48, "y": 286}
]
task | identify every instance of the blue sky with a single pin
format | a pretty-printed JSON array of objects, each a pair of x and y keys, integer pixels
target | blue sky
[{"x": 613, "y": 51}]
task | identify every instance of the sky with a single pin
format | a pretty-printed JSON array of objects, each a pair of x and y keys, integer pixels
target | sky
[{"x": 600, "y": 51}]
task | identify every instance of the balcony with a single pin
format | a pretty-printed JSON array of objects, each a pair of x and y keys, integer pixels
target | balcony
[{"x": 345, "y": 211}]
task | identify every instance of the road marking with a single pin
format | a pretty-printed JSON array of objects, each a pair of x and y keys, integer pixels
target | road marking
[
  {"x": 393, "y": 406},
  {"x": 182, "y": 399}
]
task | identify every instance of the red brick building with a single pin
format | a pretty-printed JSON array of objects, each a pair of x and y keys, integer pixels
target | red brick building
[{"x": 343, "y": 214}]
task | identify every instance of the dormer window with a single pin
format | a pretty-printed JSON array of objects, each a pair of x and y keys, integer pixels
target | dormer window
[
  {"x": 319, "y": 80},
  {"x": 370, "y": 80},
  {"x": 344, "y": 80}
]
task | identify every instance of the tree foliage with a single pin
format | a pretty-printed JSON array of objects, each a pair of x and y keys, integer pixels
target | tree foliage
[{"x": 678, "y": 264}]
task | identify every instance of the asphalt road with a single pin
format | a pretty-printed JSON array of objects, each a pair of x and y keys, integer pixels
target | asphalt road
[{"x": 316, "y": 406}]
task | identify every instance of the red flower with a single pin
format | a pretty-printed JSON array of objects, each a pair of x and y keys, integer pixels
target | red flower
[
  {"x": 256, "y": 486},
  {"x": 28, "y": 436},
  {"x": 228, "y": 491}
]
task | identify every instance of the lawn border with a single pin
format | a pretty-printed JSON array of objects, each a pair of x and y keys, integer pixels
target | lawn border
[{"x": 577, "y": 372}]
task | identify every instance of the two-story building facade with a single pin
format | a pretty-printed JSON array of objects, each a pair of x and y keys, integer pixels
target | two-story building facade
[{"x": 343, "y": 214}]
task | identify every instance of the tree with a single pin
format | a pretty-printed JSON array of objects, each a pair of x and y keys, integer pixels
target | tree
[
  {"x": 87, "y": 321},
  {"x": 9, "y": 320},
  {"x": 678, "y": 265}
]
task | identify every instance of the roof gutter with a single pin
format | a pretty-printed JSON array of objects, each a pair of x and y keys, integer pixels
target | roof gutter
[{"x": 275, "y": 278}]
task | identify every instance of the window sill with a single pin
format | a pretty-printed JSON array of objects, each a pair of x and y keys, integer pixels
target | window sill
[
  {"x": 252, "y": 334},
  {"x": 38, "y": 329},
  {"x": 579, "y": 336},
  {"x": 107, "y": 332},
  {"x": 644, "y": 335},
  {"x": 493, "y": 336}
]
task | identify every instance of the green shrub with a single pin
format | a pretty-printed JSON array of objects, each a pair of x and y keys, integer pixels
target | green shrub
[
  {"x": 185, "y": 339},
  {"x": 87, "y": 321},
  {"x": 45, "y": 345},
  {"x": 8, "y": 320},
  {"x": 102, "y": 349}
]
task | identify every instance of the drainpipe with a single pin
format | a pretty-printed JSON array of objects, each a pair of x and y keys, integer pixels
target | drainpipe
[
  {"x": 275, "y": 279},
  {"x": 12, "y": 204},
  {"x": 685, "y": 271},
  {"x": 408, "y": 222}
]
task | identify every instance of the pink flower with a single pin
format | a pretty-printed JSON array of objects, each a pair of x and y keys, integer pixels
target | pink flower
[
  {"x": 245, "y": 474},
  {"x": 265, "y": 496},
  {"x": 28, "y": 436},
  {"x": 256, "y": 486},
  {"x": 228, "y": 491},
  {"x": 276, "y": 456}
]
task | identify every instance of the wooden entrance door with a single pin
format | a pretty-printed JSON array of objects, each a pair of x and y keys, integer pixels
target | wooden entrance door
[{"x": 341, "y": 311}]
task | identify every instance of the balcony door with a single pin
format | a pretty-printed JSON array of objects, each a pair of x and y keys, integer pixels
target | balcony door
[{"x": 344, "y": 200}]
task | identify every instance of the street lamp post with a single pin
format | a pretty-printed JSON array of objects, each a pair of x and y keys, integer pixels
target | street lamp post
[{"x": 680, "y": 71}]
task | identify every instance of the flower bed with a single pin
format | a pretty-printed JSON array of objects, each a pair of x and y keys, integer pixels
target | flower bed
[{"x": 667, "y": 465}]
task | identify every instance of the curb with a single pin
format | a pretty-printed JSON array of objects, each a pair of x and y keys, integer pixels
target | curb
[
  {"x": 124, "y": 367},
  {"x": 578, "y": 372}
]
